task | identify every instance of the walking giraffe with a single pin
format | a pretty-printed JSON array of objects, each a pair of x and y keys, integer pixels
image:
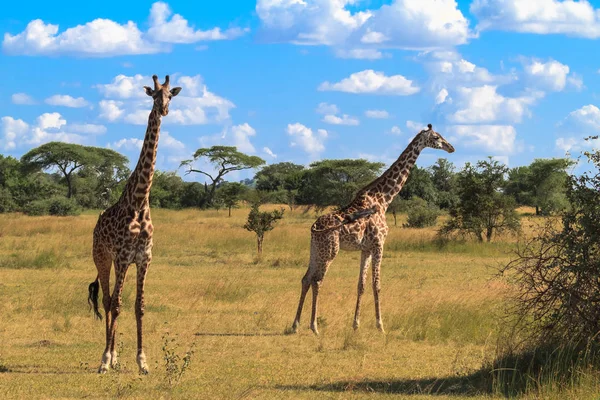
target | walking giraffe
[
  {"x": 361, "y": 226},
  {"x": 123, "y": 233}
]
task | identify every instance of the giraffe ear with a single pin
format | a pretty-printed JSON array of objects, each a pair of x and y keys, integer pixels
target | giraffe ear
[
  {"x": 149, "y": 91},
  {"x": 175, "y": 91}
]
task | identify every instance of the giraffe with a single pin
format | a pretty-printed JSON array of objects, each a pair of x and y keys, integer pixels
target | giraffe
[
  {"x": 361, "y": 226},
  {"x": 123, "y": 233}
]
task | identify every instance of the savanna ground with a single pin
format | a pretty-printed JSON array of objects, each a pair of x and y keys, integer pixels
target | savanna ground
[{"x": 206, "y": 289}]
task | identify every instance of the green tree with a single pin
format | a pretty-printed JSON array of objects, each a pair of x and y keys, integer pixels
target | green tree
[
  {"x": 230, "y": 193},
  {"x": 443, "y": 176},
  {"x": 335, "y": 182},
  {"x": 483, "y": 208},
  {"x": 224, "y": 160},
  {"x": 419, "y": 184},
  {"x": 67, "y": 158},
  {"x": 541, "y": 184},
  {"x": 167, "y": 190},
  {"x": 261, "y": 222},
  {"x": 274, "y": 177}
]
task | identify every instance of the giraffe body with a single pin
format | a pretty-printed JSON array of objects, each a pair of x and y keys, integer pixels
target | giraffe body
[
  {"x": 123, "y": 234},
  {"x": 367, "y": 233}
]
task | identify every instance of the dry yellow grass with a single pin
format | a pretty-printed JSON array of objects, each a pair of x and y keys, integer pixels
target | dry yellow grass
[{"x": 205, "y": 287}]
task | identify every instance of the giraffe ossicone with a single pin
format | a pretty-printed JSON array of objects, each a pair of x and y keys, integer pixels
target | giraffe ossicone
[
  {"x": 361, "y": 226},
  {"x": 123, "y": 234}
]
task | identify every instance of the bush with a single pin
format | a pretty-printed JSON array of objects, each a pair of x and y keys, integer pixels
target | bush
[
  {"x": 556, "y": 271},
  {"x": 420, "y": 213},
  {"x": 7, "y": 203},
  {"x": 59, "y": 206}
]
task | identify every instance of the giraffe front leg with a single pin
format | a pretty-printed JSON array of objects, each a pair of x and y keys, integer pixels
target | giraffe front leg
[
  {"x": 365, "y": 260},
  {"x": 142, "y": 268},
  {"x": 103, "y": 264},
  {"x": 377, "y": 255},
  {"x": 305, "y": 287},
  {"x": 115, "y": 310}
]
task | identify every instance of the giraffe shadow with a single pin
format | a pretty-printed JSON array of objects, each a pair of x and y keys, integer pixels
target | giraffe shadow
[
  {"x": 240, "y": 334},
  {"x": 468, "y": 385}
]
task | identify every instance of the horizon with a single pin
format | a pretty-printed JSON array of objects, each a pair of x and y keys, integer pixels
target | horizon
[{"x": 304, "y": 81}]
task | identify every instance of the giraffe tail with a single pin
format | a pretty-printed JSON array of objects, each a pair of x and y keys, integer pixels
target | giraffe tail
[{"x": 94, "y": 290}]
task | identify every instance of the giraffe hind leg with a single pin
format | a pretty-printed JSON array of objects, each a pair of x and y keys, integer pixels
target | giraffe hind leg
[
  {"x": 103, "y": 263},
  {"x": 305, "y": 287}
]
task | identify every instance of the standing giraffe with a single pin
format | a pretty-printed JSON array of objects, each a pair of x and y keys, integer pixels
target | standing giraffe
[
  {"x": 123, "y": 233},
  {"x": 361, "y": 226}
]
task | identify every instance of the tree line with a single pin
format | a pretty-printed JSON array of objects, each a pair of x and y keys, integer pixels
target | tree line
[{"x": 480, "y": 198}]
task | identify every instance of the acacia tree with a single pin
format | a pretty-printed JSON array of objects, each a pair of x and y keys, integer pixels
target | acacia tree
[
  {"x": 224, "y": 160},
  {"x": 335, "y": 182},
  {"x": 483, "y": 208},
  {"x": 541, "y": 184},
  {"x": 261, "y": 222},
  {"x": 68, "y": 158}
]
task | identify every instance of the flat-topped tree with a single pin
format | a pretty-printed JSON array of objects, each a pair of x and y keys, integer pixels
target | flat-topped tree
[
  {"x": 68, "y": 158},
  {"x": 224, "y": 159}
]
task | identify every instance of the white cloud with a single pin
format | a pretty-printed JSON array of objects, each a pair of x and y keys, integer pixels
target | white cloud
[
  {"x": 92, "y": 129},
  {"x": 361, "y": 54},
  {"x": 173, "y": 28},
  {"x": 449, "y": 69},
  {"x": 22, "y": 99},
  {"x": 573, "y": 18},
  {"x": 483, "y": 105},
  {"x": 130, "y": 144},
  {"x": 369, "y": 81},
  {"x": 551, "y": 75},
  {"x": 66, "y": 101},
  {"x": 442, "y": 96},
  {"x": 568, "y": 144},
  {"x": 377, "y": 114},
  {"x": 577, "y": 126},
  {"x": 241, "y": 137},
  {"x": 343, "y": 120},
  {"x": 269, "y": 152},
  {"x": 111, "y": 110},
  {"x": 169, "y": 142},
  {"x": 12, "y": 130},
  {"x": 104, "y": 37},
  {"x": 100, "y": 37},
  {"x": 407, "y": 24},
  {"x": 304, "y": 137},
  {"x": 326, "y": 108},
  {"x": 125, "y": 87},
  {"x": 415, "y": 126},
  {"x": 48, "y": 127},
  {"x": 495, "y": 138},
  {"x": 395, "y": 130},
  {"x": 195, "y": 105},
  {"x": 51, "y": 120}
]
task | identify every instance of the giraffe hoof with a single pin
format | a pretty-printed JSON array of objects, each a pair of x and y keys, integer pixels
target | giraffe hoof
[
  {"x": 103, "y": 369},
  {"x": 315, "y": 330},
  {"x": 144, "y": 371},
  {"x": 355, "y": 325},
  {"x": 380, "y": 327}
]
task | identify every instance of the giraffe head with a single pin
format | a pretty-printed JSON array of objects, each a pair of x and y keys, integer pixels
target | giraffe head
[
  {"x": 162, "y": 94},
  {"x": 431, "y": 138}
]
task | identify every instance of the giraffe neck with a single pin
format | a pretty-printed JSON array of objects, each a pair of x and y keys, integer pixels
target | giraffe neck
[
  {"x": 389, "y": 184},
  {"x": 138, "y": 186}
]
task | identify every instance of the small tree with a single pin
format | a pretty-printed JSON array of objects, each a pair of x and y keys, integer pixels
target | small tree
[
  {"x": 224, "y": 159},
  {"x": 261, "y": 222},
  {"x": 483, "y": 208},
  {"x": 230, "y": 194},
  {"x": 420, "y": 213}
]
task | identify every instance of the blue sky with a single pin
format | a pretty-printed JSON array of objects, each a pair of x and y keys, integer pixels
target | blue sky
[{"x": 303, "y": 80}]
